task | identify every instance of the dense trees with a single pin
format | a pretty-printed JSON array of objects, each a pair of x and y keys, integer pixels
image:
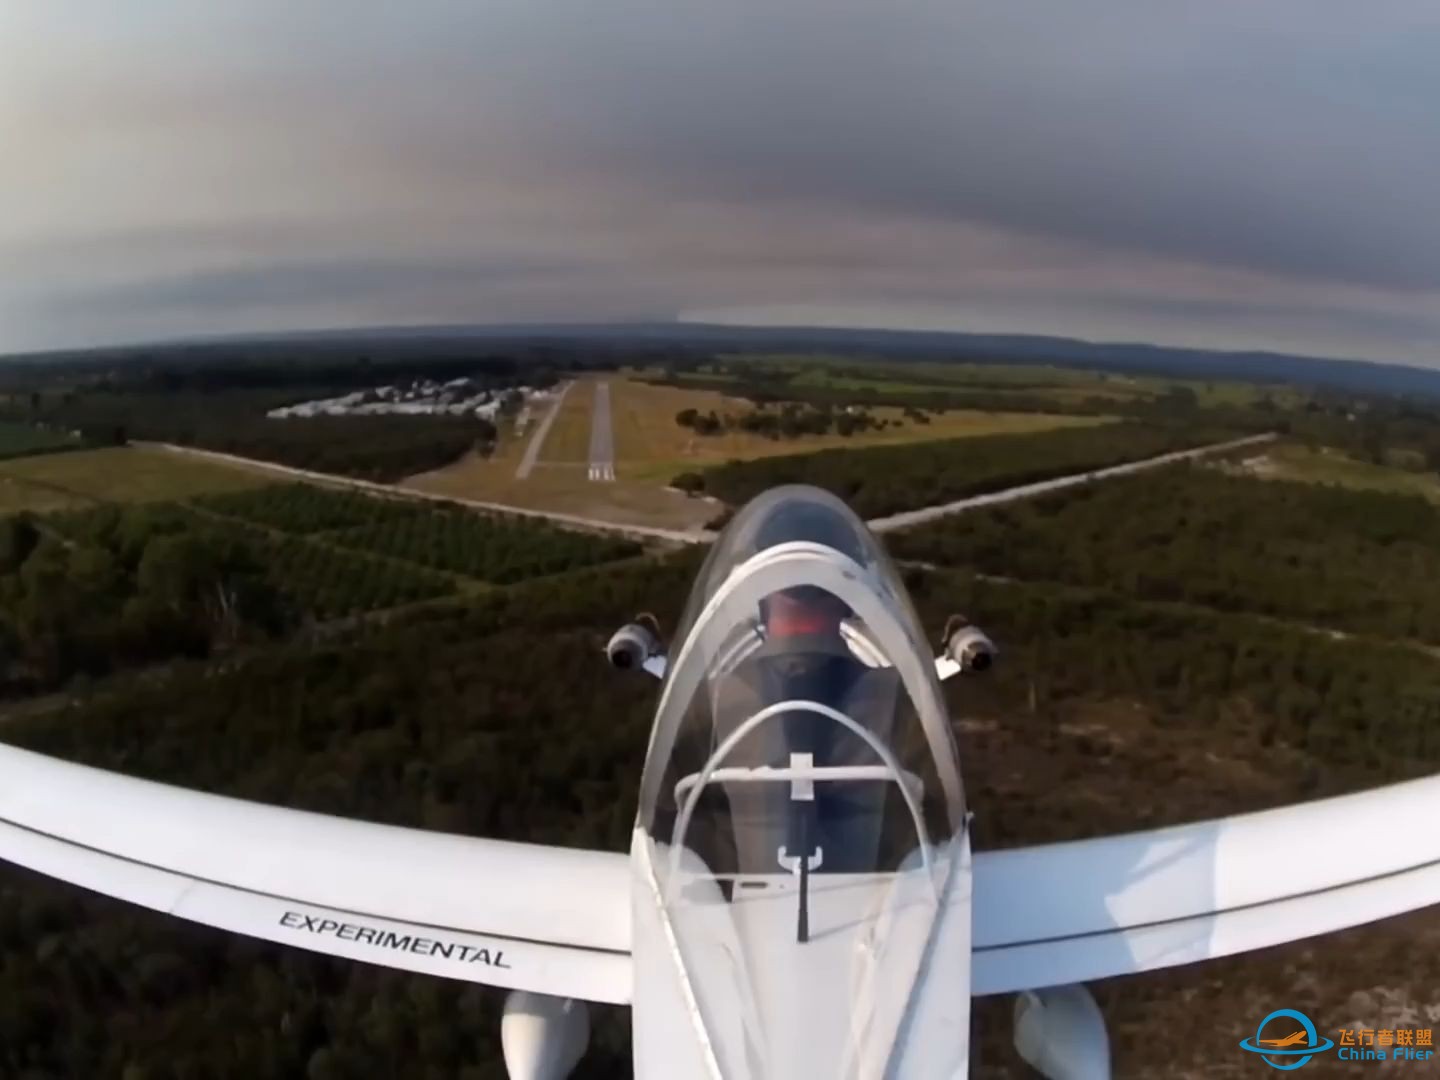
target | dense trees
[
  {"x": 886, "y": 479},
  {"x": 326, "y": 582},
  {"x": 306, "y": 508},
  {"x": 89, "y": 593},
  {"x": 94, "y": 591},
  {"x": 790, "y": 420},
  {"x": 500, "y": 550},
  {"x": 499, "y": 717},
  {"x": 1353, "y": 560}
]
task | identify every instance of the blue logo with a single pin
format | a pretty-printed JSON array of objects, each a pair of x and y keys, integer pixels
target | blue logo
[{"x": 1292, "y": 1047}]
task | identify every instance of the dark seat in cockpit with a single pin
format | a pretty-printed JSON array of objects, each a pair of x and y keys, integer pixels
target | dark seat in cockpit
[{"x": 841, "y": 828}]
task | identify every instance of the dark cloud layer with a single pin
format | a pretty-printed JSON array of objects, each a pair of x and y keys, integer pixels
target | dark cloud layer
[
  {"x": 1230, "y": 172},
  {"x": 1286, "y": 137},
  {"x": 302, "y": 284}
]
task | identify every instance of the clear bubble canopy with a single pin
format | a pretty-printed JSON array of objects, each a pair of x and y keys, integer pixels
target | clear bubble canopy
[{"x": 802, "y": 777}]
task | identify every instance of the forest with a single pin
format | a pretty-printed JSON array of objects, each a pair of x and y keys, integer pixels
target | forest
[
  {"x": 497, "y": 550},
  {"x": 305, "y": 508},
  {"x": 1361, "y": 561},
  {"x": 882, "y": 480},
  {"x": 85, "y": 593},
  {"x": 453, "y": 717}
]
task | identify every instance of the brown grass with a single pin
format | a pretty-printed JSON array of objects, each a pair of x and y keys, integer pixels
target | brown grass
[{"x": 117, "y": 474}]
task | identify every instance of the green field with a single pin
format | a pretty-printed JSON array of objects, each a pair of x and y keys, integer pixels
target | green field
[
  {"x": 116, "y": 474},
  {"x": 1325, "y": 465},
  {"x": 1039, "y": 383},
  {"x": 651, "y": 446},
  {"x": 568, "y": 442}
]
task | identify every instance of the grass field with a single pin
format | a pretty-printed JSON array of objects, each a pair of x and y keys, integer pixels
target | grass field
[
  {"x": 16, "y": 495},
  {"x": 1324, "y": 465},
  {"x": 567, "y": 490},
  {"x": 650, "y": 446},
  {"x": 569, "y": 440},
  {"x": 1061, "y": 385},
  {"x": 116, "y": 474}
]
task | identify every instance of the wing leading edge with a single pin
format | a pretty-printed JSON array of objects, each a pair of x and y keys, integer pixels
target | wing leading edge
[
  {"x": 1091, "y": 909},
  {"x": 522, "y": 916},
  {"x": 557, "y": 920}
]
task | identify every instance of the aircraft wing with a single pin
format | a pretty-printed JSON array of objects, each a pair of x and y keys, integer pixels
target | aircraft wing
[
  {"x": 1090, "y": 909},
  {"x": 552, "y": 920}
]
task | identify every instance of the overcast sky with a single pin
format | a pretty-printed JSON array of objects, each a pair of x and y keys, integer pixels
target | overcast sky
[{"x": 1232, "y": 173}]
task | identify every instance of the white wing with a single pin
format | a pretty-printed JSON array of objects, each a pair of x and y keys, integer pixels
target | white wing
[
  {"x": 1068, "y": 913},
  {"x": 552, "y": 920}
]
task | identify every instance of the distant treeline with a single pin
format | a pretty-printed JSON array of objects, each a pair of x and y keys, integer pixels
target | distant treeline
[
  {"x": 338, "y": 366},
  {"x": 27, "y": 439},
  {"x": 1362, "y": 561},
  {"x": 220, "y": 402},
  {"x": 767, "y": 384},
  {"x": 359, "y": 372},
  {"x": 380, "y": 448},
  {"x": 790, "y": 421},
  {"x": 882, "y": 480}
]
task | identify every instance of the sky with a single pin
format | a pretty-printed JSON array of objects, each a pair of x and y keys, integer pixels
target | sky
[{"x": 1228, "y": 174}]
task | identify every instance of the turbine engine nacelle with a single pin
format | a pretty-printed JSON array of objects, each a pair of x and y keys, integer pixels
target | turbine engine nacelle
[
  {"x": 543, "y": 1037},
  {"x": 970, "y": 649},
  {"x": 1060, "y": 1033},
  {"x": 632, "y": 645}
]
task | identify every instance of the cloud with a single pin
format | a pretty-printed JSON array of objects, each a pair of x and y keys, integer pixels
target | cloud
[
  {"x": 1227, "y": 172},
  {"x": 303, "y": 284}
]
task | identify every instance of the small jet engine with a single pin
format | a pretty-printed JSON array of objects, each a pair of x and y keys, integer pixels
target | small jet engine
[
  {"x": 633, "y": 644},
  {"x": 967, "y": 645}
]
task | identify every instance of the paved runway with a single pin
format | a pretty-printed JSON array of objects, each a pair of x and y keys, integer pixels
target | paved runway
[
  {"x": 532, "y": 451},
  {"x": 602, "y": 436}
]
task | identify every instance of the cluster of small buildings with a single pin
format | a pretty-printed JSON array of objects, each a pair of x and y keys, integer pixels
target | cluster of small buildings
[{"x": 424, "y": 397}]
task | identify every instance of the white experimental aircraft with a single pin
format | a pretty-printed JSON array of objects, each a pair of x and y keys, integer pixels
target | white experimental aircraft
[{"x": 800, "y": 898}]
